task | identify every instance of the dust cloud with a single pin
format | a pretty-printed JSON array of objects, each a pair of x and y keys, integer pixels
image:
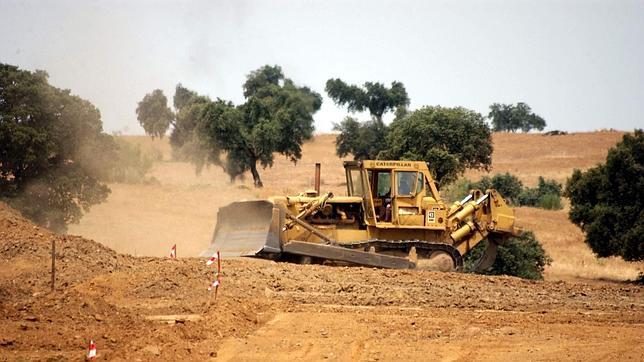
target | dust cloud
[
  {"x": 174, "y": 206},
  {"x": 180, "y": 206}
]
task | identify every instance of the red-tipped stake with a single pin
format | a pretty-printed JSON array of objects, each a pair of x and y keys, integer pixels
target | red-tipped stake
[
  {"x": 173, "y": 252},
  {"x": 214, "y": 258},
  {"x": 91, "y": 353},
  {"x": 214, "y": 284},
  {"x": 218, "y": 273}
]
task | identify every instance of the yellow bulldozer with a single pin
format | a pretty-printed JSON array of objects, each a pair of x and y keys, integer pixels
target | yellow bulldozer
[{"x": 392, "y": 217}]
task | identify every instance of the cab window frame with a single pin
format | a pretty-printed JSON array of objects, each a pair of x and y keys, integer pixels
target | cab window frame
[{"x": 412, "y": 188}]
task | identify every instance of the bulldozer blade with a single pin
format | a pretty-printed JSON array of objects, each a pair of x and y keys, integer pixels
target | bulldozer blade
[{"x": 246, "y": 228}]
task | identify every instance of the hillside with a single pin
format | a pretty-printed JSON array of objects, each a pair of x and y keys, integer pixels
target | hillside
[
  {"x": 147, "y": 219},
  {"x": 532, "y": 155}
]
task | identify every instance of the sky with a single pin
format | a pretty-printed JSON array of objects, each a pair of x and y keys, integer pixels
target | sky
[{"x": 578, "y": 64}]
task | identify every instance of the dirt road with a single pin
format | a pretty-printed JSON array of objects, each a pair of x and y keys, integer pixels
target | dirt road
[
  {"x": 446, "y": 334},
  {"x": 368, "y": 314}
]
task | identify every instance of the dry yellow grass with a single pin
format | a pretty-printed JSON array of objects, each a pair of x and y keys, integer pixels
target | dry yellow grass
[
  {"x": 571, "y": 257},
  {"x": 151, "y": 146},
  {"x": 148, "y": 219},
  {"x": 532, "y": 155}
]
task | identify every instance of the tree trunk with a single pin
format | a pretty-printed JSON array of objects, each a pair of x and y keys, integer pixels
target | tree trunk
[{"x": 256, "y": 179}]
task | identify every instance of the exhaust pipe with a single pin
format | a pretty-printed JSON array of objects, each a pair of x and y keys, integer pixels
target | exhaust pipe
[{"x": 317, "y": 178}]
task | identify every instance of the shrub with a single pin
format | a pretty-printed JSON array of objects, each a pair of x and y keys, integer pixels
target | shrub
[
  {"x": 457, "y": 190},
  {"x": 528, "y": 197},
  {"x": 546, "y": 195},
  {"x": 548, "y": 187},
  {"x": 508, "y": 185},
  {"x": 550, "y": 202},
  {"x": 131, "y": 164},
  {"x": 521, "y": 256},
  {"x": 483, "y": 184}
]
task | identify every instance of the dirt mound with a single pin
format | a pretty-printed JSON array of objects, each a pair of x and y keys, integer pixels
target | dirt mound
[
  {"x": 121, "y": 302},
  {"x": 358, "y": 286},
  {"x": 65, "y": 316},
  {"x": 160, "y": 309},
  {"x": 25, "y": 255},
  {"x": 61, "y": 324}
]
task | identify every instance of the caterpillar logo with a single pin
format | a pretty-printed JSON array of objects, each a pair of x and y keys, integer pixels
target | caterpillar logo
[{"x": 392, "y": 164}]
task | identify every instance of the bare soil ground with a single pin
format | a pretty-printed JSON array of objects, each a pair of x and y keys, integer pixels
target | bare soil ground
[
  {"x": 152, "y": 308},
  {"x": 156, "y": 308}
]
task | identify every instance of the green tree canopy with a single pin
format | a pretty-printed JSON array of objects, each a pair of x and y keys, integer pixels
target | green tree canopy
[
  {"x": 375, "y": 97},
  {"x": 363, "y": 140},
  {"x": 508, "y": 185},
  {"x": 52, "y": 146},
  {"x": 277, "y": 117},
  {"x": 607, "y": 201},
  {"x": 153, "y": 114},
  {"x": 186, "y": 144},
  {"x": 450, "y": 140},
  {"x": 509, "y": 117}
]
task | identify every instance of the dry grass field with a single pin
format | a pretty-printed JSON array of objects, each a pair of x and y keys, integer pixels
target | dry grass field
[
  {"x": 146, "y": 219},
  {"x": 554, "y": 157}
]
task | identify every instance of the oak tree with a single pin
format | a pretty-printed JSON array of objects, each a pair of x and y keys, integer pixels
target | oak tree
[
  {"x": 364, "y": 140},
  {"x": 52, "y": 149},
  {"x": 607, "y": 201},
  {"x": 510, "y": 118},
  {"x": 450, "y": 140},
  {"x": 374, "y": 97},
  {"x": 276, "y": 117},
  {"x": 153, "y": 114}
]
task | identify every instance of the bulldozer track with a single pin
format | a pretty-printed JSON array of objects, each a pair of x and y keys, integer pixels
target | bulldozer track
[{"x": 406, "y": 245}]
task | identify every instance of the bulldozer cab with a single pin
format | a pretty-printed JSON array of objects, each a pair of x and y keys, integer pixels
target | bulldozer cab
[{"x": 392, "y": 191}]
